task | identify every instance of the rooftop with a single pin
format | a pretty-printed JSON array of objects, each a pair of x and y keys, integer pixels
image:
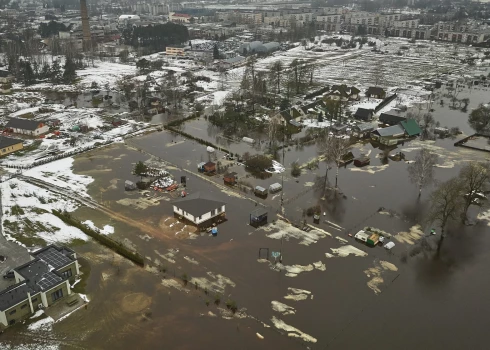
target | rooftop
[
  {"x": 24, "y": 124},
  {"x": 196, "y": 205},
  {"x": 54, "y": 256},
  {"x": 7, "y": 142},
  {"x": 14, "y": 294}
]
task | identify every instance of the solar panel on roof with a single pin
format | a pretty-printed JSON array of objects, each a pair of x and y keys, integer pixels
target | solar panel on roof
[
  {"x": 49, "y": 280},
  {"x": 54, "y": 258}
]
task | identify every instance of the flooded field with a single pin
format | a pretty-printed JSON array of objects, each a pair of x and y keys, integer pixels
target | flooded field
[{"x": 329, "y": 291}]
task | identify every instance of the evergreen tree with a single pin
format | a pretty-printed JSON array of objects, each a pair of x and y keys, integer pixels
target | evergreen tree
[
  {"x": 69, "y": 73},
  {"x": 216, "y": 52},
  {"x": 45, "y": 71},
  {"x": 27, "y": 73},
  {"x": 55, "y": 72},
  {"x": 140, "y": 169}
]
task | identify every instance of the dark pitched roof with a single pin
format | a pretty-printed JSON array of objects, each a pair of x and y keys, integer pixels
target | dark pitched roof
[
  {"x": 285, "y": 114},
  {"x": 411, "y": 127},
  {"x": 7, "y": 142},
  {"x": 374, "y": 90},
  {"x": 390, "y": 118},
  {"x": 365, "y": 127},
  {"x": 196, "y": 205},
  {"x": 24, "y": 124},
  {"x": 345, "y": 90},
  {"x": 14, "y": 295},
  {"x": 363, "y": 113}
]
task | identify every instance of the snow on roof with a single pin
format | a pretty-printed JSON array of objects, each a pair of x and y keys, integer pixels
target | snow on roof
[{"x": 133, "y": 17}]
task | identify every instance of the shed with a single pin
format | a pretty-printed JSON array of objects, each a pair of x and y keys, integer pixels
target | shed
[
  {"x": 129, "y": 185},
  {"x": 260, "y": 191},
  {"x": 200, "y": 166},
  {"x": 362, "y": 161},
  {"x": 258, "y": 217},
  {"x": 209, "y": 167},
  {"x": 248, "y": 140},
  {"x": 275, "y": 187},
  {"x": 230, "y": 178},
  {"x": 391, "y": 131},
  {"x": 364, "y": 114},
  {"x": 390, "y": 119},
  {"x": 362, "y": 236},
  {"x": 411, "y": 127}
]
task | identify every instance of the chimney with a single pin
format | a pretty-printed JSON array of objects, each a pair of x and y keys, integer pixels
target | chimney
[{"x": 87, "y": 38}]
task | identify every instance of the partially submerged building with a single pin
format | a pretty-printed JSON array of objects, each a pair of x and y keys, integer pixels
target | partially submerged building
[{"x": 199, "y": 210}]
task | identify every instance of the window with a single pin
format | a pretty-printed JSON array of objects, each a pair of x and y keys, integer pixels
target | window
[
  {"x": 67, "y": 273},
  {"x": 57, "y": 295},
  {"x": 12, "y": 312},
  {"x": 23, "y": 306},
  {"x": 34, "y": 300}
]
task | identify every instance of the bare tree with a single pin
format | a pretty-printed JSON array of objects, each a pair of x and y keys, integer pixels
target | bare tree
[
  {"x": 427, "y": 126},
  {"x": 334, "y": 149},
  {"x": 475, "y": 177},
  {"x": 275, "y": 74},
  {"x": 421, "y": 172},
  {"x": 445, "y": 204},
  {"x": 378, "y": 74}
]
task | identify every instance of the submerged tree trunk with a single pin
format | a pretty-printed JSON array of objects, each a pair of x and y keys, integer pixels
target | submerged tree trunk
[
  {"x": 439, "y": 244},
  {"x": 337, "y": 176},
  {"x": 325, "y": 183}
]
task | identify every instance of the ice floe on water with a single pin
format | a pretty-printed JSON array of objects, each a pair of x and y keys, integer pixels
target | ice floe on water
[
  {"x": 319, "y": 266},
  {"x": 344, "y": 251},
  {"x": 295, "y": 270},
  {"x": 214, "y": 282},
  {"x": 282, "y": 308},
  {"x": 370, "y": 169},
  {"x": 171, "y": 283},
  {"x": 414, "y": 234},
  {"x": 292, "y": 331},
  {"x": 283, "y": 230},
  {"x": 191, "y": 260},
  {"x": 298, "y": 294},
  {"x": 375, "y": 274}
]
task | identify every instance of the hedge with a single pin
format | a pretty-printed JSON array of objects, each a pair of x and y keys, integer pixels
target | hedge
[{"x": 116, "y": 246}]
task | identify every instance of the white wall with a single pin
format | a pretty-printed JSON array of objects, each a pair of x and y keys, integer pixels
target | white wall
[
  {"x": 202, "y": 218},
  {"x": 3, "y": 318}
]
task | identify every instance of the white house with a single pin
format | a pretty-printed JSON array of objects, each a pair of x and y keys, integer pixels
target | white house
[
  {"x": 197, "y": 209},
  {"x": 27, "y": 126}
]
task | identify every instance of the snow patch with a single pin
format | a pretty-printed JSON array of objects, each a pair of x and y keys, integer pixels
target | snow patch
[
  {"x": 282, "y": 308},
  {"x": 292, "y": 332},
  {"x": 346, "y": 251}
]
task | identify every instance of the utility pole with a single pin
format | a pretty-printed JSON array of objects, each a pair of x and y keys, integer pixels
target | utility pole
[{"x": 284, "y": 166}]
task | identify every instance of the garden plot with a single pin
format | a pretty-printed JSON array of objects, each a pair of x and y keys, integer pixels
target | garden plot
[{"x": 27, "y": 215}]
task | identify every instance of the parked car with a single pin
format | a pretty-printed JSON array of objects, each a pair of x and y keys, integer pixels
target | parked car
[{"x": 9, "y": 275}]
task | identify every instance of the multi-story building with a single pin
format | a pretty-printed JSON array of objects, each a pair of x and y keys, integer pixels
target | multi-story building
[
  {"x": 250, "y": 17},
  {"x": 406, "y": 23},
  {"x": 39, "y": 283},
  {"x": 329, "y": 22},
  {"x": 463, "y": 32}
]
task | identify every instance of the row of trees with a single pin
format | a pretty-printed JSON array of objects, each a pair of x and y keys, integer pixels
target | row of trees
[
  {"x": 29, "y": 73},
  {"x": 155, "y": 37}
]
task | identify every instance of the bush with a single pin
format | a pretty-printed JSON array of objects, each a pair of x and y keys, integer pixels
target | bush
[
  {"x": 295, "y": 170},
  {"x": 313, "y": 210},
  {"x": 231, "y": 305},
  {"x": 116, "y": 246},
  {"x": 258, "y": 162}
]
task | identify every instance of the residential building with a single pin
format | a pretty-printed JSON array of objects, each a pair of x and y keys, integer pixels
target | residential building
[
  {"x": 343, "y": 93},
  {"x": 391, "y": 119},
  {"x": 9, "y": 145},
  {"x": 375, "y": 92},
  {"x": 179, "y": 17},
  {"x": 330, "y": 22},
  {"x": 364, "y": 114},
  {"x": 176, "y": 50},
  {"x": 199, "y": 210},
  {"x": 39, "y": 283},
  {"x": 27, "y": 127}
]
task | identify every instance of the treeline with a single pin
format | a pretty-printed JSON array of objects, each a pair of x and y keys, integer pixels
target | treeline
[
  {"x": 47, "y": 30},
  {"x": 156, "y": 37},
  {"x": 30, "y": 73}
]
